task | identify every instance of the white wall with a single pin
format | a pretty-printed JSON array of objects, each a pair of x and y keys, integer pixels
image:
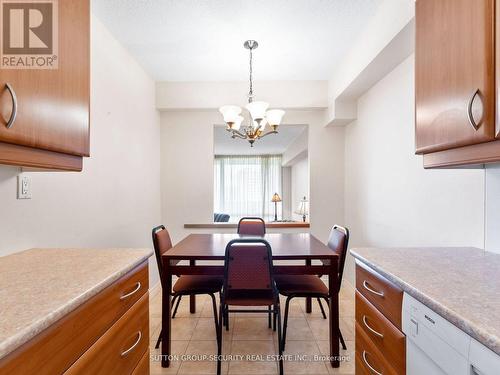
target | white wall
[
  {"x": 390, "y": 200},
  {"x": 286, "y": 204},
  {"x": 114, "y": 202},
  {"x": 211, "y": 95},
  {"x": 300, "y": 185},
  {"x": 492, "y": 206},
  {"x": 187, "y": 169},
  {"x": 373, "y": 54},
  {"x": 297, "y": 150}
]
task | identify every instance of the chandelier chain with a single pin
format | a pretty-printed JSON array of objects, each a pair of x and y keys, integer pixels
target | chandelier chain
[{"x": 250, "y": 94}]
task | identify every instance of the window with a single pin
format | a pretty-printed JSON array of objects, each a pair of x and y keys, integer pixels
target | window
[{"x": 244, "y": 185}]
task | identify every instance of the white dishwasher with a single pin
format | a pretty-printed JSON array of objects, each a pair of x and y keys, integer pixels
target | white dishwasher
[{"x": 434, "y": 346}]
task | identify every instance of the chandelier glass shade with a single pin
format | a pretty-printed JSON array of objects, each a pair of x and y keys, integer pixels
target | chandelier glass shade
[{"x": 260, "y": 116}]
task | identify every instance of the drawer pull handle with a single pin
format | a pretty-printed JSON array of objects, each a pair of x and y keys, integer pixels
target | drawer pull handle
[
  {"x": 13, "y": 114},
  {"x": 125, "y": 296},
  {"x": 139, "y": 337},
  {"x": 366, "y": 286},
  {"x": 370, "y": 366},
  {"x": 371, "y": 329},
  {"x": 470, "y": 116}
]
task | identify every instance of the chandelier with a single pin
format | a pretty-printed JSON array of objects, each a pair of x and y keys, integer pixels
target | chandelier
[{"x": 262, "y": 121}]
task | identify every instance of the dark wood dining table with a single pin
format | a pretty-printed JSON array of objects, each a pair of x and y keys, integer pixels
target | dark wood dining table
[{"x": 285, "y": 246}]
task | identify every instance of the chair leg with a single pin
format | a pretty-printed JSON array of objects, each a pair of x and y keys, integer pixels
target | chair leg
[
  {"x": 176, "y": 306},
  {"x": 280, "y": 340},
  {"x": 321, "y": 308},
  {"x": 227, "y": 317},
  {"x": 274, "y": 321},
  {"x": 214, "y": 305},
  {"x": 342, "y": 342},
  {"x": 222, "y": 308},
  {"x": 159, "y": 340},
  {"x": 269, "y": 316},
  {"x": 285, "y": 321}
]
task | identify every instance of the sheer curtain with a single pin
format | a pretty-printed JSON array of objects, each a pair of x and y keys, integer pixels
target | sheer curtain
[{"x": 244, "y": 185}]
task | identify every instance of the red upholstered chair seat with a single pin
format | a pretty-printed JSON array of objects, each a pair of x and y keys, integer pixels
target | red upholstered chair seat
[
  {"x": 198, "y": 284},
  {"x": 300, "y": 284}
]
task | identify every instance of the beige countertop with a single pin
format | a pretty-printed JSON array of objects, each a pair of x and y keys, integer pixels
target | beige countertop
[
  {"x": 39, "y": 286},
  {"x": 460, "y": 284}
]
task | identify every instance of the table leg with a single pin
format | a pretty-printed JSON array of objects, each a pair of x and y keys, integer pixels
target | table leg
[
  {"x": 192, "y": 297},
  {"x": 308, "y": 299},
  {"x": 166, "y": 323},
  {"x": 333, "y": 316}
]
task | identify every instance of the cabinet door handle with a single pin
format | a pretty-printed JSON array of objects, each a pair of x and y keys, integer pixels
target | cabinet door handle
[
  {"x": 371, "y": 329},
  {"x": 365, "y": 285},
  {"x": 370, "y": 366},
  {"x": 125, "y": 296},
  {"x": 470, "y": 116},
  {"x": 139, "y": 337},
  {"x": 13, "y": 114}
]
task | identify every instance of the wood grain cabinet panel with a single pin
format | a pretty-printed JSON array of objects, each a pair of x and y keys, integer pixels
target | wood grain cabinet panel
[
  {"x": 380, "y": 343},
  {"x": 370, "y": 360},
  {"x": 381, "y": 293},
  {"x": 143, "y": 366},
  {"x": 53, "y": 104},
  {"x": 454, "y": 59},
  {"x": 389, "y": 340},
  {"x": 120, "y": 349}
]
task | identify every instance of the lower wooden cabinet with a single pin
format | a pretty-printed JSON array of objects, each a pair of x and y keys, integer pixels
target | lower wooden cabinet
[
  {"x": 108, "y": 334},
  {"x": 121, "y": 348},
  {"x": 380, "y": 343},
  {"x": 142, "y": 367},
  {"x": 372, "y": 360}
]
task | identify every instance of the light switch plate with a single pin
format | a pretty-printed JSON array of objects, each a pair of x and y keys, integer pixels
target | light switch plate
[{"x": 23, "y": 186}]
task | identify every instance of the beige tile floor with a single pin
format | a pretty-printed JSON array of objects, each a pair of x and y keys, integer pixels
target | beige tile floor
[{"x": 193, "y": 335}]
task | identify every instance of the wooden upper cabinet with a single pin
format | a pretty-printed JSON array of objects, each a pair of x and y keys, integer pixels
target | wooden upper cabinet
[
  {"x": 454, "y": 74},
  {"x": 52, "y": 104}
]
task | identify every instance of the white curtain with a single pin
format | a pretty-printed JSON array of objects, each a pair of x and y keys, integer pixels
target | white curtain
[{"x": 244, "y": 185}]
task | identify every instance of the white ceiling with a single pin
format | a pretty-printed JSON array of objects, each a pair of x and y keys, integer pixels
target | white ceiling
[
  {"x": 273, "y": 144},
  {"x": 202, "y": 40}
]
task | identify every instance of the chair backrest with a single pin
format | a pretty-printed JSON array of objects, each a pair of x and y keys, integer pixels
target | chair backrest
[
  {"x": 248, "y": 265},
  {"x": 162, "y": 243},
  {"x": 254, "y": 226},
  {"x": 338, "y": 242}
]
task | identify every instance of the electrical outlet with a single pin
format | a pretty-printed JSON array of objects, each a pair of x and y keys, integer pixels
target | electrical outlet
[{"x": 23, "y": 186}]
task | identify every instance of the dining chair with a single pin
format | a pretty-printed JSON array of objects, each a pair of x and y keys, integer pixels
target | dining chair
[
  {"x": 249, "y": 282},
  {"x": 186, "y": 285},
  {"x": 312, "y": 286},
  {"x": 254, "y": 226}
]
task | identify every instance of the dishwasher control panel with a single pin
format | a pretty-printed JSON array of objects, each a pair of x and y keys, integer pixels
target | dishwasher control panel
[{"x": 434, "y": 346}]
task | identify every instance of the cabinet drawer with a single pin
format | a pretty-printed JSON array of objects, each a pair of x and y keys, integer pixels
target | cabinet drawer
[
  {"x": 142, "y": 367},
  {"x": 383, "y": 294},
  {"x": 370, "y": 358},
  {"x": 360, "y": 367},
  {"x": 54, "y": 350},
  {"x": 387, "y": 338},
  {"x": 121, "y": 348}
]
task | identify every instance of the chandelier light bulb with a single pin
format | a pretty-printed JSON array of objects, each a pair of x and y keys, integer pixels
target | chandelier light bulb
[
  {"x": 230, "y": 113},
  {"x": 237, "y": 122},
  {"x": 274, "y": 116},
  {"x": 257, "y": 110}
]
